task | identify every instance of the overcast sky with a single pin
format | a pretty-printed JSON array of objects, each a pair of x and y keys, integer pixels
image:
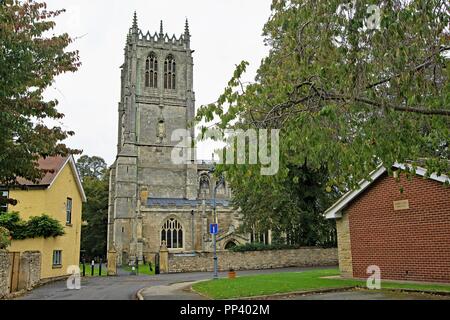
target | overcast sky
[{"x": 224, "y": 32}]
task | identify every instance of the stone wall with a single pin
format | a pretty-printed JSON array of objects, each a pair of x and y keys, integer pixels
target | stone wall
[
  {"x": 250, "y": 260},
  {"x": 29, "y": 271},
  {"x": 344, "y": 246},
  {"x": 4, "y": 273}
]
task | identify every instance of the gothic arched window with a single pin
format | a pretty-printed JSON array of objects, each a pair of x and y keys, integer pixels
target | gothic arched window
[
  {"x": 204, "y": 182},
  {"x": 169, "y": 72},
  {"x": 230, "y": 245},
  {"x": 151, "y": 71},
  {"x": 172, "y": 234}
]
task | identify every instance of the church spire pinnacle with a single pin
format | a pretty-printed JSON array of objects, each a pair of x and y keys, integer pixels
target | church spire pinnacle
[
  {"x": 161, "y": 30},
  {"x": 186, "y": 28},
  {"x": 187, "y": 35},
  {"x": 135, "y": 22}
]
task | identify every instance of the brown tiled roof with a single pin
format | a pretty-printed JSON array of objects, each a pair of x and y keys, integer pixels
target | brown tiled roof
[{"x": 52, "y": 165}]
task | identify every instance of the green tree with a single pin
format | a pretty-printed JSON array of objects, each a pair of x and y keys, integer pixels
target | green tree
[
  {"x": 95, "y": 212},
  {"x": 346, "y": 98},
  {"x": 91, "y": 166},
  {"x": 30, "y": 60}
]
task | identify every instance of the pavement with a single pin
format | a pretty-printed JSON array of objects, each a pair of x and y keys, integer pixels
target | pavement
[
  {"x": 125, "y": 286},
  {"x": 362, "y": 294},
  {"x": 177, "y": 287}
]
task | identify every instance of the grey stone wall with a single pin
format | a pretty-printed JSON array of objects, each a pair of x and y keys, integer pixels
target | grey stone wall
[
  {"x": 29, "y": 271},
  {"x": 4, "y": 273},
  {"x": 250, "y": 260}
]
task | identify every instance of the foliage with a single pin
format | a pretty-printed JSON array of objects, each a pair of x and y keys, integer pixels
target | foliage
[
  {"x": 91, "y": 167},
  {"x": 44, "y": 226},
  {"x": 95, "y": 213},
  {"x": 30, "y": 60},
  {"x": 286, "y": 282},
  {"x": 40, "y": 226},
  {"x": 5, "y": 238},
  {"x": 347, "y": 97},
  {"x": 290, "y": 204}
]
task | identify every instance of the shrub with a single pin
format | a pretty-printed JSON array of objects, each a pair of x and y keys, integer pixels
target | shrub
[
  {"x": 15, "y": 225},
  {"x": 44, "y": 226},
  {"x": 5, "y": 238},
  {"x": 35, "y": 227}
]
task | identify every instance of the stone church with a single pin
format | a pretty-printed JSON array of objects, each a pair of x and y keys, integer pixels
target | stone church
[{"x": 151, "y": 199}]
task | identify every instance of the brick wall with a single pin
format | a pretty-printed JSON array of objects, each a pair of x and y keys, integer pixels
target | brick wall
[
  {"x": 254, "y": 259},
  {"x": 411, "y": 244}
]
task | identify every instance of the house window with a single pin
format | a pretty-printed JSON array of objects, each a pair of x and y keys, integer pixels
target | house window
[
  {"x": 4, "y": 201},
  {"x": 69, "y": 211},
  {"x": 172, "y": 234},
  {"x": 169, "y": 72},
  {"x": 57, "y": 257}
]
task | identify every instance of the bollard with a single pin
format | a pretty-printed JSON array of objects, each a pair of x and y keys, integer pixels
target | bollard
[
  {"x": 84, "y": 268},
  {"x": 100, "y": 268},
  {"x": 137, "y": 266},
  {"x": 157, "y": 263},
  {"x": 92, "y": 267},
  {"x": 150, "y": 266}
]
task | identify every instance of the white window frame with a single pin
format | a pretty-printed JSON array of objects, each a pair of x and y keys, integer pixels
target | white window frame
[
  {"x": 69, "y": 208},
  {"x": 57, "y": 258},
  {"x": 4, "y": 208}
]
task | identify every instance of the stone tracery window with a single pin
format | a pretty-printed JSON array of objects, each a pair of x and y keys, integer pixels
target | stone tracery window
[
  {"x": 169, "y": 72},
  {"x": 172, "y": 234},
  {"x": 151, "y": 71}
]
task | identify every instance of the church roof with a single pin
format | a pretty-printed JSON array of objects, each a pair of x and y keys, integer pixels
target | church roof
[{"x": 165, "y": 202}]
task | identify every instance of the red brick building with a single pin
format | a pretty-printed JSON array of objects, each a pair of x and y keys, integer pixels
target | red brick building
[{"x": 403, "y": 227}]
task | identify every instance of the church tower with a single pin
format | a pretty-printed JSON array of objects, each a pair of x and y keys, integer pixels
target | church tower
[{"x": 157, "y": 98}]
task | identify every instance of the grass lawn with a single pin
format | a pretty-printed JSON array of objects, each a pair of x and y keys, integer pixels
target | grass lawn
[
  {"x": 267, "y": 284},
  {"x": 89, "y": 270},
  {"x": 143, "y": 269}
]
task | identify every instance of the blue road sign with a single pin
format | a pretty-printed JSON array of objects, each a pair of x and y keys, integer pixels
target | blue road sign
[{"x": 213, "y": 228}]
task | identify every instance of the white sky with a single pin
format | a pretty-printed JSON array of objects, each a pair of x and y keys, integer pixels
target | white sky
[{"x": 224, "y": 32}]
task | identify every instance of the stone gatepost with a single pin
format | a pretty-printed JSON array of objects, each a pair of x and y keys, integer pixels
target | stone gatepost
[
  {"x": 112, "y": 262},
  {"x": 163, "y": 258}
]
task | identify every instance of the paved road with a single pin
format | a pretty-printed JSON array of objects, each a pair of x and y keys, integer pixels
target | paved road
[{"x": 124, "y": 287}]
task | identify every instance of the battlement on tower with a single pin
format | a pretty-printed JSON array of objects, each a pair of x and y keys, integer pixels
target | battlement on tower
[
  {"x": 158, "y": 38},
  {"x": 161, "y": 38}
]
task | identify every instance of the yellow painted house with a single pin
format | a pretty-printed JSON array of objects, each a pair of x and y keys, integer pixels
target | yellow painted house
[{"x": 60, "y": 195}]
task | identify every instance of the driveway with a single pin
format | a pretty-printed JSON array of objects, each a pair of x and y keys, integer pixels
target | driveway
[{"x": 124, "y": 287}]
